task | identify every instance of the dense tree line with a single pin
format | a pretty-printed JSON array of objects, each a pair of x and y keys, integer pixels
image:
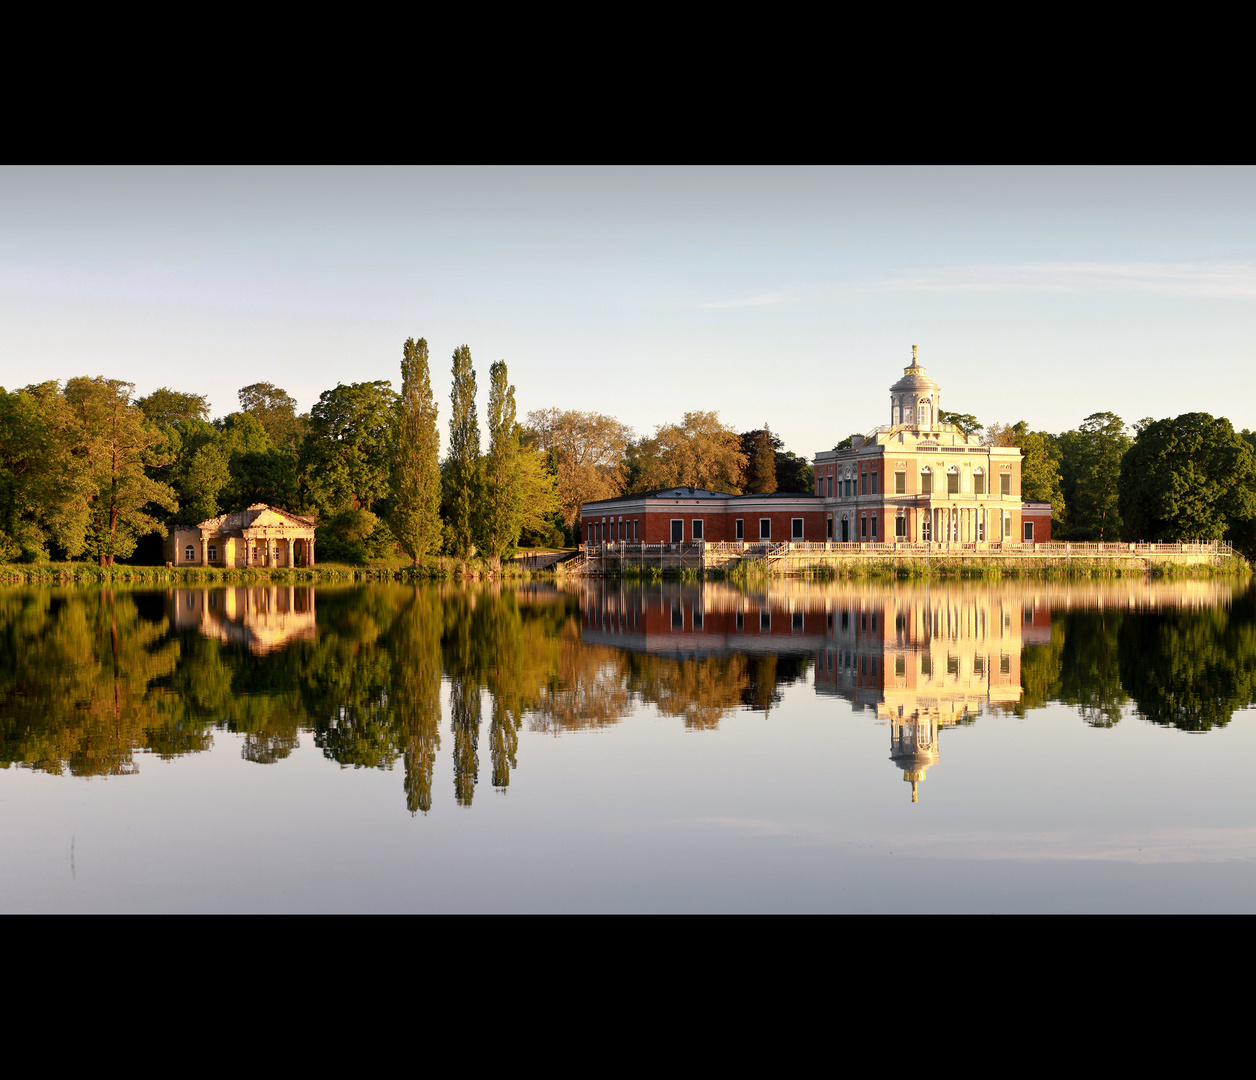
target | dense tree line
[{"x": 89, "y": 470}]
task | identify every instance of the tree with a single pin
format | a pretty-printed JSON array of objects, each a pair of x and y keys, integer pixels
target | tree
[
  {"x": 169, "y": 408},
  {"x": 43, "y": 487},
  {"x": 698, "y": 452},
  {"x": 759, "y": 448},
  {"x": 966, "y": 422},
  {"x": 346, "y": 452},
  {"x": 277, "y": 411},
  {"x": 1040, "y": 466},
  {"x": 1192, "y": 477},
  {"x": 587, "y": 452},
  {"x": 538, "y": 486},
  {"x": 503, "y": 507},
  {"x": 414, "y": 514},
  {"x": 1090, "y": 470},
  {"x": 462, "y": 477},
  {"x": 114, "y": 443}
]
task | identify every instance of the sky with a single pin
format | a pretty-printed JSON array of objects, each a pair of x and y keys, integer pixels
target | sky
[{"x": 785, "y": 296}]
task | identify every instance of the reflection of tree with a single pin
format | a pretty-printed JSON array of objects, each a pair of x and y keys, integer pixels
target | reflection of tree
[
  {"x": 464, "y": 723},
  {"x": 588, "y": 689},
  {"x": 79, "y": 682},
  {"x": 1090, "y": 677},
  {"x": 1189, "y": 667},
  {"x": 415, "y": 692},
  {"x": 702, "y": 691}
]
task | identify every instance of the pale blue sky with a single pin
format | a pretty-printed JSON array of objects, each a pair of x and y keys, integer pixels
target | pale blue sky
[{"x": 791, "y": 296}]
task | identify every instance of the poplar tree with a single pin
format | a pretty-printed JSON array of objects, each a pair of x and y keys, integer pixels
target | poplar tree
[
  {"x": 503, "y": 505},
  {"x": 415, "y": 480},
  {"x": 462, "y": 475}
]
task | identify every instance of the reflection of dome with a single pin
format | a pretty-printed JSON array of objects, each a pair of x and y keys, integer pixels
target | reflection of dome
[{"x": 913, "y": 748}]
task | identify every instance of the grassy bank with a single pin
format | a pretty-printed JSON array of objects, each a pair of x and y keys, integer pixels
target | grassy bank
[{"x": 440, "y": 569}]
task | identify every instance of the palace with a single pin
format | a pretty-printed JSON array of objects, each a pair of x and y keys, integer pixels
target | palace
[{"x": 918, "y": 480}]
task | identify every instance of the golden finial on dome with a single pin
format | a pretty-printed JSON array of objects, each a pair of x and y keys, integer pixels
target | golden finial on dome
[{"x": 913, "y": 354}]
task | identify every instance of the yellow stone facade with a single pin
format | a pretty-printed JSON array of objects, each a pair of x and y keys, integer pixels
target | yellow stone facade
[
  {"x": 261, "y": 536},
  {"x": 918, "y": 480}
]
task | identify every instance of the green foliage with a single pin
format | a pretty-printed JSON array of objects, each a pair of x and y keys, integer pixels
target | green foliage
[
  {"x": 414, "y": 504},
  {"x": 759, "y": 448},
  {"x": 44, "y": 487},
  {"x": 462, "y": 480},
  {"x": 502, "y": 512},
  {"x": 1192, "y": 477},
  {"x": 276, "y": 411},
  {"x": 541, "y": 522},
  {"x": 966, "y": 422},
  {"x": 114, "y": 443},
  {"x": 588, "y": 452},
  {"x": 170, "y": 408},
  {"x": 1090, "y": 470},
  {"x": 345, "y": 456},
  {"x": 698, "y": 452}
]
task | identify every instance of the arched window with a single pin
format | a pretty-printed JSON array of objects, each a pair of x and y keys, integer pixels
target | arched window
[
  {"x": 925, "y": 412},
  {"x": 926, "y": 480},
  {"x": 952, "y": 480},
  {"x": 189, "y": 553},
  {"x": 979, "y": 481}
]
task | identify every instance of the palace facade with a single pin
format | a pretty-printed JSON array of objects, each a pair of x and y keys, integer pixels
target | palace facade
[{"x": 918, "y": 480}]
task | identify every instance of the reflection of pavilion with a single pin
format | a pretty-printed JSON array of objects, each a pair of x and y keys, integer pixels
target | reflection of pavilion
[
  {"x": 259, "y": 618},
  {"x": 926, "y": 660}
]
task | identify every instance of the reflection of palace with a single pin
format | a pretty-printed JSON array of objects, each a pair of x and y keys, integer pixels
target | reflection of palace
[
  {"x": 700, "y": 620},
  {"x": 261, "y": 618},
  {"x": 926, "y": 660}
]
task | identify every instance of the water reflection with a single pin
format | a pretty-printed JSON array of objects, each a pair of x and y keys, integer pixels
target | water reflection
[{"x": 88, "y": 680}]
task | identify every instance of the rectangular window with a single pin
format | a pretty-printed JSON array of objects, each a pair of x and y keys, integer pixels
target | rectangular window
[
  {"x": 765, "y": 528},
  {"x": 1007, "y": 525},
  {"x": 741, "y": 620},
  {"x": 795, "y": 622},
  {"x": 697, "y": 528},
  {"x": 697, "y": 619},
  {"x": 926, "y": 483},
  {"x": 979, "y": 483},
  {"x": 863, "y": 527},
  {"x": 213, "y": 552},
  {"x": 678, "y": 618},
  {"x": 189, "y": 553},
  {"x": 900, "y": 665},
  {"x": 874, "y": 483},
  {"x": 820, "y": 486},
  {"x": 926, "y": 666},
  {"x": 795, "y": 530},
  {"x": 900, "y": 527},
  {"x": 874, "y": 528},
  {"x": 979, "y": 666},
  {"x": 635, "y": 535},
  {"x": 900, "y": 483},
  {"x": 741, "y": 529},
  {"x": 830, "y": 487},
  {"x": 765, "y": 620},
  {"x": 1005, "y": 483},
  {"x": 863, "y": 483},
  {"x": 1029, "y": 534},
  {"x": 1005, "y": 664},
  {"x": 952, "y": 483},
  {"x": 828, "y": 525},
  {"x": 678, "y": 530}
]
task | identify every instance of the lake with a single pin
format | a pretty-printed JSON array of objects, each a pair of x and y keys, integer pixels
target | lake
[{"x": 614, "y": 746}]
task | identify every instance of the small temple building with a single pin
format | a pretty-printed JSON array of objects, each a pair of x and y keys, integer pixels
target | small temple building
[{"x": 261, "y": 536}]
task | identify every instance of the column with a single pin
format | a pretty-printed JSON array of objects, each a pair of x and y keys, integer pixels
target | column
[{"x": 309, "y": 547}]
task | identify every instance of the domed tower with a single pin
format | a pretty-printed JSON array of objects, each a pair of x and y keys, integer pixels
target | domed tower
[{"x": 914, "y": 398}]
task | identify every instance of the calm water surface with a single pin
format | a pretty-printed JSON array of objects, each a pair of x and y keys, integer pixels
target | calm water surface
[{"x": 836, "y": 747}]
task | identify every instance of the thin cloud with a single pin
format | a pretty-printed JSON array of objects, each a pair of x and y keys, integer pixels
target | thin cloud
[
  {"x": 757, "y": 300},
  {"x": 1205, "y": 279}
]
